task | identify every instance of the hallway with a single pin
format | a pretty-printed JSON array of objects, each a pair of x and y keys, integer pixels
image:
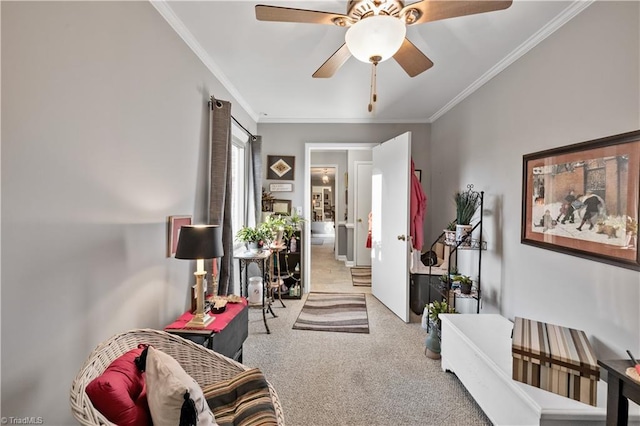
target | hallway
[{"x": 329, "y": 274}]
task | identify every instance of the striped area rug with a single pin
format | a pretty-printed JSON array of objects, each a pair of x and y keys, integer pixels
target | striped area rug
[
  {"x": 342, "y": 312},
  {"x": 361, "y": 276}
]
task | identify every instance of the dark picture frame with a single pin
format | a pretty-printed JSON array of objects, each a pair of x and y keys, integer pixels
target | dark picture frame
[
  {"x": 584, "y": 199},
  {"x": 281, "y": 167},
  {"x": 282, "y": 207},
  {"x": 418, "y": 173},
  {"x": 174, "y": 225}
]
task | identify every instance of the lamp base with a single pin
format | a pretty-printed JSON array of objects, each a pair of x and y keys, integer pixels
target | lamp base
[{"x": 200, "y": 322}]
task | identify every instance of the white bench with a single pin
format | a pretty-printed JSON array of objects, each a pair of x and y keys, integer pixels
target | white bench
[{"x": 477, "y": 348}]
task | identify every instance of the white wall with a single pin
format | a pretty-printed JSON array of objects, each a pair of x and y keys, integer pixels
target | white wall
[
  {"x": 581, "y": 83},
  {"x": 105, "y": 125}
]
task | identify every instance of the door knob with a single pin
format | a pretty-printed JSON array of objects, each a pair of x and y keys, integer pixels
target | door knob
[
  {"x": 360, "y": 220},
  {"x": 402, "y": 237}
]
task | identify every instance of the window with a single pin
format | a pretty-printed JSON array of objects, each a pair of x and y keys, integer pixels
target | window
[{"x": 238, "y": 183}]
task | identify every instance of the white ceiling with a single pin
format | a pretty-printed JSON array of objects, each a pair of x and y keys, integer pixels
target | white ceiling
[{"x": 267, "y": 66}]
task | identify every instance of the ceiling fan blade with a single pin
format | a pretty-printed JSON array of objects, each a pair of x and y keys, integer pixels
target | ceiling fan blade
[
  {"x": 436, "y": 10},
  {"x": 286, "y": 14},
  {"x": 411, "y": 59},
  {"x": 334, "y": 63}
]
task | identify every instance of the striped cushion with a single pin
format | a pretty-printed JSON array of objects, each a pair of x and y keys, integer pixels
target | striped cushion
[{"x": 242, "y": 401}]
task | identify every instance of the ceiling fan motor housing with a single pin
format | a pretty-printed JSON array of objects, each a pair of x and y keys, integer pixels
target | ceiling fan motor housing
[{"x": 358, "y": 9}]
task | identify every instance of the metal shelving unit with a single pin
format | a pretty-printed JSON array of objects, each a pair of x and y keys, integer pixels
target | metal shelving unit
[{"x": 468, "y": 243}]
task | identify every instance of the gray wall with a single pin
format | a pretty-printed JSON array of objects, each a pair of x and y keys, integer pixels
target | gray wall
[
  {"x": 104, "y": 135},
  {"x": 580, "y": 84},
  {"x": 290, "y": 139}
]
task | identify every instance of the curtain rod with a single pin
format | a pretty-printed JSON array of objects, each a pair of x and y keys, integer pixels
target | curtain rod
[{"x": 253, "y": 137}]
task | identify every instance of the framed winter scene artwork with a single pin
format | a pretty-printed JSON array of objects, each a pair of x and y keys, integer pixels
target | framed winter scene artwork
[{"x": 583, "y": 199}]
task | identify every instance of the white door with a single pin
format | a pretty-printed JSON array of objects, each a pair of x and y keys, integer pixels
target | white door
[
  {"x": 390, "y": 220},
  {"x": 362, "y": 198}
]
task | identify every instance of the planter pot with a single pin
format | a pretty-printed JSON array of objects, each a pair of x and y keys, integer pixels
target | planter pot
[
  {"x": 449, "y": 237},
  {"x": 433, "y": 343},
  {"x": 253, "y": 247},
  {"x": 278, "y": 240},
  {"x": 463, "y": 233},
  {"x": 465, "y": 288}
]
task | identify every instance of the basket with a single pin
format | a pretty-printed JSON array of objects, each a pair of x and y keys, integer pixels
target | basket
[{"x": 204, "y": 365}]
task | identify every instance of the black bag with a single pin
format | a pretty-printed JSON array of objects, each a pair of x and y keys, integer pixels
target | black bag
[{"x": 429, "y": 258}]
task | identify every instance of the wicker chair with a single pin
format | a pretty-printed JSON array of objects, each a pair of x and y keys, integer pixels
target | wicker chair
[{"x": 204, "y": 365}]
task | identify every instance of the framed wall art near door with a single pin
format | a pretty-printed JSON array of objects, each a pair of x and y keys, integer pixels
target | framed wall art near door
[
  {"x": 282, "y": 206},
  {"x": 174, "y": 225},
  {"x": 280, "y": 167},
  {"x": 583, "y": 199}
]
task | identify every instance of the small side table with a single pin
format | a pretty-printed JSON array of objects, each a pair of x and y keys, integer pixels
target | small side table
[
  {"x": 225, "y": 335},
  {"x": 620, "y": 388},
  {"x": 246, "y": 258}
]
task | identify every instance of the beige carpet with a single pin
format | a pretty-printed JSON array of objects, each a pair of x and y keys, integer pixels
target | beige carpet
[
  {"x": 361, "y": 276},
  {"x": 355, "y": 379}
]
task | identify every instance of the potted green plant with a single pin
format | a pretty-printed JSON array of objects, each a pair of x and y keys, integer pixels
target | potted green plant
[
  {"x": 446, "y": 281},
  {"x": 467, "y": 202},
  {"x": 432, "y": 343},
  {"x": 465, "y": 283},
  {"x": 276, "y": 225},
  {"x": 450, "y": 234},
  {"x": 255, "y": 238}
]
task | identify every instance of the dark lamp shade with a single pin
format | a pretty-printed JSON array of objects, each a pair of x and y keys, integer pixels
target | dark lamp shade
[{"x": 199, "y": 242}]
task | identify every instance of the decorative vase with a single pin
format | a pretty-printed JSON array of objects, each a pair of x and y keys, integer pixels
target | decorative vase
[
  {"x": 433, "y": 342},
  {"x": 253, "y": 246},
  {"x": 463, "y": 233},
  {"x": 449, "y": 237}
]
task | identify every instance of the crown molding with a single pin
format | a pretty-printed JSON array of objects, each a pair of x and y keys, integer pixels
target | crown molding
[
  {"x": 302, "y": 120},
  {"x": 178, "y": 26},
  {"x": 565, "y": 16}
]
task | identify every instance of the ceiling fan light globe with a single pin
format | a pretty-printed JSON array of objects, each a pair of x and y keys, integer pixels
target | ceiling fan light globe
[{"x": 378, "y": 35}]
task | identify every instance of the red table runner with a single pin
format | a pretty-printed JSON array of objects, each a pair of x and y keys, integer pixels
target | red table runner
[{"x": 217, "y": 325}]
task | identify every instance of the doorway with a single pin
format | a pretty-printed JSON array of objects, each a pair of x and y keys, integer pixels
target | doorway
[
  {"x": 324, "y": 155},
  {"x": 323, "y": 201}
]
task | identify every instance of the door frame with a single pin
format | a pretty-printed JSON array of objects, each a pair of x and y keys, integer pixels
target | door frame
[
  {"x": 357, "y": 243},
  {"x": 310, "y": 147}
]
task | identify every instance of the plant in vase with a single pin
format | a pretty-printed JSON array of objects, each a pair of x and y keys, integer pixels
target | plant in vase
[
  {"x": 445, "y": 279},
  {"x": 467, "y": 202},
  {"x": 255, "y": 238},
  {"x": 450, "y": 234},
  {"x": 432, "y": 344},
  {"x": 465, "y": 283},
  {"x": 276, "y": 225}
]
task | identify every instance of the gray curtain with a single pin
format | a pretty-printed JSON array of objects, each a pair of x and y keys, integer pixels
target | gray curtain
[
  {"x": 220, "y": 187},
  {"x": 255, "y": 178}
]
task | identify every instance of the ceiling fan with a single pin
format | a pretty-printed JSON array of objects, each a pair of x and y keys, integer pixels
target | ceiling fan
[{"x": 377, "y": 30}]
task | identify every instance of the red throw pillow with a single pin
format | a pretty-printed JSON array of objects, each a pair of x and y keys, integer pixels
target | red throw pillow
[{"x": 120, "y": 393}]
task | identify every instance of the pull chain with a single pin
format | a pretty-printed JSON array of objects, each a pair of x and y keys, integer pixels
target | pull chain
[{"x": 373, "y": 97}]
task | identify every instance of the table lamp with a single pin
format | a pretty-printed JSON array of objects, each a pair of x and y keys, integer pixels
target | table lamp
[{"x": 199, "y": 242}]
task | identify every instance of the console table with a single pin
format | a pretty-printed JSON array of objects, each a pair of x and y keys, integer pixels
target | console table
[
  {"x": 225, "y": 335},
  {"x": 620, "y": 388}
]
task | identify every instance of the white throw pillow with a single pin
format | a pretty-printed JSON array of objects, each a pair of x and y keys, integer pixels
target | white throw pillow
[{"x": 167, "y": 384}]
